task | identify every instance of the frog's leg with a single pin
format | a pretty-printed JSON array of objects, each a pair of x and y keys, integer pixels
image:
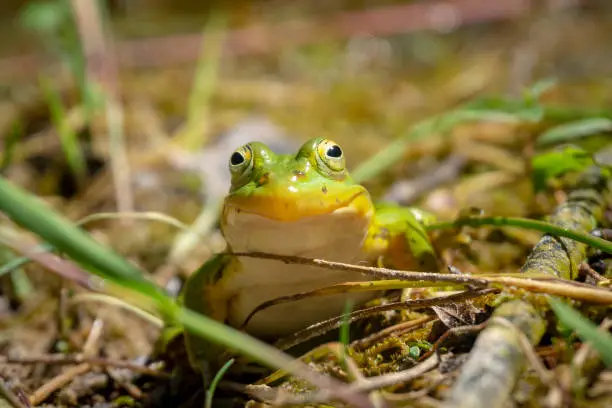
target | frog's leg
[
  {"x": 398, "y": 238},
  {"x": 203, "y": 355}
]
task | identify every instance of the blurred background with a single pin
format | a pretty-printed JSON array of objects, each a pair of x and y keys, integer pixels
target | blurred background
[{"x": 136, "y": 106}]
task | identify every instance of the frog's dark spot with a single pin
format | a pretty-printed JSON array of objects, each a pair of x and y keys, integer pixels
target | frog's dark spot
[
  {"x": 337, "y": 200},
  {"x": 298, "y": 173},
  {"x": 324, "y": 189}
]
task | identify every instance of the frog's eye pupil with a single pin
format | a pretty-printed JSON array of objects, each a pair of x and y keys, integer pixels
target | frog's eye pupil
[
  {"x": 236, "y": 159},
  {"x": 334, "y": 152}
]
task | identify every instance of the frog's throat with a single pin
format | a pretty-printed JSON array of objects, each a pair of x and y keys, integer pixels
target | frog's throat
[{"x": 290, "y": 208}]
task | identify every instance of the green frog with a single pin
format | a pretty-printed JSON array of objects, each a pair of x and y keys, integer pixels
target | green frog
[{"x": 302, "y": 204}]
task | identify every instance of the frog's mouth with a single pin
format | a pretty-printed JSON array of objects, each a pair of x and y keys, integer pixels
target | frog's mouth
[{"x": 292, "y": 207}]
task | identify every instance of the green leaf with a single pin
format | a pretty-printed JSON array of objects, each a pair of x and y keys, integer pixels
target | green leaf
[
  {"x": 575, "y": 130},
  {"x": 555, "y": 163},
  {"x": 213, "y": 385},
  {"x": 584, "y": 328},
  {"x": 45, "y": 17},
  {"x": 535, "y": 91},
  {"x": 414, "y": 352}
]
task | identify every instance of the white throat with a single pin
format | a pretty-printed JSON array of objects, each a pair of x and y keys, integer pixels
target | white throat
[{"x": 337, "y": 236}]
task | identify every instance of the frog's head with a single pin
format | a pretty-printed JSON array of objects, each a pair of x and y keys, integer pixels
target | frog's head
[{"x": 285, "y": 197}]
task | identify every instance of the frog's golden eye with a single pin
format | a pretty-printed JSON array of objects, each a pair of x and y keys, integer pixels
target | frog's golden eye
[
  {"x": 330, "y": 155},
  {"x": 241, "y": 161}
]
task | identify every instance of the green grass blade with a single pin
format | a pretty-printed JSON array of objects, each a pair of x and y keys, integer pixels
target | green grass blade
[
  {"x": 575, "y": 130},
  {"x": 10, "y": 143},
  {"x": 584, "y": 328},
  {"x": 213, "y": 385},
  {"x": 68, "y": 137},
  {"x": 394, "y": 152},
  {"x": 32, "y": 214},
  {"x": 526, "y": 223}
]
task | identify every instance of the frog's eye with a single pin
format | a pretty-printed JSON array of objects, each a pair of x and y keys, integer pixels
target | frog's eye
[
  {"x": 330, "y": 155},
  {"x": 241, "y": 161}
]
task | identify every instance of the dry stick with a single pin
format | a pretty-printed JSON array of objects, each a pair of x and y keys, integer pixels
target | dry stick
[
  {"x": 9, "y": 396},
  {"x": 58, "y": 382},
  {"x": 534, "y": 282},
  {"x": 67, "y": 376},
  {"x": 60, "y": 359},
  {"x": 326, "y": 325},
  {"x": 376, "y": 272},
  {"x": 454, "y": 331},
  {"x": 586, "y": 269},
  {"x": 367, "y": 384},
  {"x": 497, "y": 359}
]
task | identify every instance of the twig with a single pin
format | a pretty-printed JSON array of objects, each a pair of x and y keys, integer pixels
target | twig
[
  {"x": 454, "y": 331},
  {"x": 10, "y": 397},
  {"x": 400, "y": 377},
  {"x": 61, "y": 359},
  {"x": 131, "y": 388},
  {"x": 58, "y": 382},
  {"x": 91, "y": 344},
  {"x": 364, "y": 385},
  {"x": 326, "y": 325},
  {"x": 376, "y": 272},
  {"x": 586, "y": 269},
  {"x": 70, "y": 374}
]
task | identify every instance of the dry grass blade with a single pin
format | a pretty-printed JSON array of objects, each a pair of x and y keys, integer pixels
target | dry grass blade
[
  {"x": 375, "y": 272},
  {"x": 9, "y": 397},
  {"x": 61, "y": 359},
  {"x": 330, "y": 324}
]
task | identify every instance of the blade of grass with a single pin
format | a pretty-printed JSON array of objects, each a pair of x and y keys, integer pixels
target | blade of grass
[
  {"x": 586, "y": 330},
  {"x": 68, "y": 137},
  {"x": 575, "y": 130},
  {"x": 215, "y": 381},
  {"x": 205, "y": 80},
  {"x": 526, "y": 223},
  {"x": 32, "y": 214},
  {"x": 345, "y": 332},
  {"x": 394, "y": 152},
  {"x": 10, "y": 143}
]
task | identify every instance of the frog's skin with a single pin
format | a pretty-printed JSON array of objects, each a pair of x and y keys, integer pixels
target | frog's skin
[{"x": 304, "y": 205}]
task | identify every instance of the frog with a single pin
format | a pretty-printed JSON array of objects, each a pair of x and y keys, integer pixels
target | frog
[{"x": 307, "y": 205}]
